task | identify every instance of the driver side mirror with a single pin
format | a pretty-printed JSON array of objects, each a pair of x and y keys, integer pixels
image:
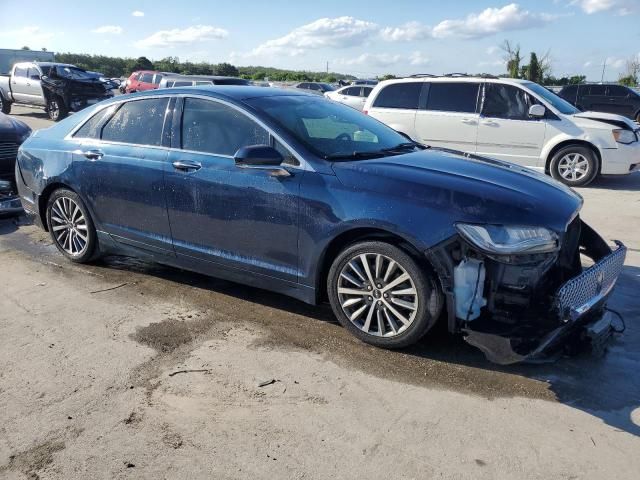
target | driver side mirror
[{"x": 537, "y": 111}]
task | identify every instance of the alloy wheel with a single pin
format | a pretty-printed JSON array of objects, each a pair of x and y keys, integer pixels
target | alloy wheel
[
  {"x": 54, "y": 109},
  {"x": 69, "y": 226},
  {"x": 573, "y": 167},
  {"x": 377, "y": 295}
]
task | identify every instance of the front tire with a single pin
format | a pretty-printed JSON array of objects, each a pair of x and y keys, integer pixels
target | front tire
[
  {"x": 56, "y": 109},
  {"x": 70, "y": 226},
  {"x": 382, "y": 296},
  {"x": 574, "y": 165}
]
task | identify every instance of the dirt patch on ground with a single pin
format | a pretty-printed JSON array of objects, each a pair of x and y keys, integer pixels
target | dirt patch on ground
[{"x": 34, "y": 460}]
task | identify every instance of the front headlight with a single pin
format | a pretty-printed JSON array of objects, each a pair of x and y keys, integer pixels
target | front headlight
[
  {"x": 624, "y": 136},
  {"x": 509, "y": 240}
]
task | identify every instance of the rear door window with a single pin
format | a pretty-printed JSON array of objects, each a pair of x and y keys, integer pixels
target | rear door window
[
  {"x": 146, "y": 78},
  {"x": 618, "y": 91},
  {"x": 138, "y": 122},
  {"x": 212, "y": 127},
  {"x": 352, "y": 91},
  {"x": 597, "y": 90},
  {"x": 506, "y": 101},
  {"x": 20, "y": 72},
  {"x": 453, "y": 97},
  {"x": 404, "y": 95},
  {"x": 366, "y": 91}
]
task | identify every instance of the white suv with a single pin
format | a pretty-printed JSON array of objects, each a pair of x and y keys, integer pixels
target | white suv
[{"x": 513, "y": 120}]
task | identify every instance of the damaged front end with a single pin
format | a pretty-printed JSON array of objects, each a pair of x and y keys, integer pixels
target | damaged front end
[
  {"x": 76, "y": 93},
  {"x": 9, "y": 200},
  {"x": 526, "y": 305}
]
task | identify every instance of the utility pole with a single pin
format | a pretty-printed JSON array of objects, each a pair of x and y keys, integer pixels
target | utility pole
[
  {"x": 604, "y": 66},
  {"x": 327, "y": 66}
]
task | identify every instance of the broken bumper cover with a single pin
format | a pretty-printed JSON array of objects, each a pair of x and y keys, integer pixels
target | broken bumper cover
[{"x": 578, "y": 303}]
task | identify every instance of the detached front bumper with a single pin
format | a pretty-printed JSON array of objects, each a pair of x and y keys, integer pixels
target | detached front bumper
[
  {"x": 579, "y": 305},
  {"x": 525, "y": 308}
]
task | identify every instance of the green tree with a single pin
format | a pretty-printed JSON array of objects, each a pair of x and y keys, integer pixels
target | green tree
[
  {"x": 227, "y": 70},
  {"x": 142, "y": 63},
  {"x": 388, "y": 76},
  {"x": 25, "y": 48},
  {"x": 512, "y": 58},
  {"x": 534, "y": 72},
  {"x": 628, "y": 80}
]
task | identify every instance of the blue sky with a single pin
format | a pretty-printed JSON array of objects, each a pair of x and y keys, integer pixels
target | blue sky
[{"x": 365, "y": 38}]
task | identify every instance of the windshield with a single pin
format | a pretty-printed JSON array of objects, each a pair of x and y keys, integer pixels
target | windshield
[
  {"x": 331, "y": 130},
  {"x": 558, "y": 103},
  {"x": 73, "y": 73},
  {"x": 326, "y": 87}
]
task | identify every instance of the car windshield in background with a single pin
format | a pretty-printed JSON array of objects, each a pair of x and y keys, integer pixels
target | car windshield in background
[
  {"x": 560, "y": 104},
  {"x": 73, "y": 73},
  {"x": 326, "y": 87},
  {"x": 331, "y": 130}
]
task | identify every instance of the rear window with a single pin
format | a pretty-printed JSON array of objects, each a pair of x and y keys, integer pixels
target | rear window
[
  {"x": 138, "y": 122},
  {"x": 453, "y": 97},
  {"x": 399, "y": 95},
  {"x": 183, "y": 83}
]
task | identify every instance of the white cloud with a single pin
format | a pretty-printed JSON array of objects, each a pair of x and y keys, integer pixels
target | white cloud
[
  {"x": 110, "y": 29},
  {"x": 492, "y": 50},
  {"x": 137, "y": 13},
  {"x": 588, "y": 64},
  {"x": 380, "y": 60},
  {"x": 185, "y": 36},
  {"x": 491, "y": 21},
  {"x": 408, "y": 32},
  {"x": 340, "y": 32},
  {"x": 31, "y": 36},
  {"x": 615, "y": 62},
  {"x": 619, "y": 7}
]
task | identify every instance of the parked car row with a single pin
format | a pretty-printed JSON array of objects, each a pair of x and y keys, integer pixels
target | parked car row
[
  {"x": 290, "y": 192},
  {"x": 513, "y": 120}
]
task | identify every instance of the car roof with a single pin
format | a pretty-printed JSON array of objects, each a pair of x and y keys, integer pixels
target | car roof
[
  {"x": 231, "y": 92},
  {"x": 454, "y": 79},
  {"x": 47, "y": 64},
  {"x": 178, "y": 76}
]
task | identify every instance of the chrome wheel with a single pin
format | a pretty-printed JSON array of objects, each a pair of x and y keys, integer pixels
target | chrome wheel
[
  {"x": 54, "y": 110},
  {"x": 69, "y": 226},
  {"x": 573, "y": 167},
  {"x": 377, "y": 295}
]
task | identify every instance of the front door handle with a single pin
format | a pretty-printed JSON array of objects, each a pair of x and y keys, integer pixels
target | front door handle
[
  {"x": 468, "y": 121},
  {"x": 490, "y": 123},
  {"x": 187, "y": 165},
  {"x": 93, "y": 154}
]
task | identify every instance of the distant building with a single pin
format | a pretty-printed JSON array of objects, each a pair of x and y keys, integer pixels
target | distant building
[{"x": 9, "y": 57}]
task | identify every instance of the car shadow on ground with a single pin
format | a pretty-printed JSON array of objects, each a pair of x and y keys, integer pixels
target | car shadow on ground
[
  {"x": 606, "y": 386},
  {"x": 33, "y": 113},
  {"x": 630, "y": 183}
]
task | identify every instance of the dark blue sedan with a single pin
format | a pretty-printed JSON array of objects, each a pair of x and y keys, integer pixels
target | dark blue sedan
[{"x": 293, "y": 193}]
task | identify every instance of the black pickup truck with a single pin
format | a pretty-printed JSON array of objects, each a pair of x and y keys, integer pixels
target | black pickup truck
[{"x": 604, "y": 97}]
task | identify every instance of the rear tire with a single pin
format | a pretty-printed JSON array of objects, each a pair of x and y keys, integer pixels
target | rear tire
[
  {"x": 5, "y": 106},
  {"x": 372, "y": 300},
  {"x": 574, "y": 165},
  {"x": 71, "y": 227},
  {"x": 56, "y": 108}
]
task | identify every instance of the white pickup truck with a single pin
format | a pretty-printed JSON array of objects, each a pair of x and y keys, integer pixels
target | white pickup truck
[{"x": 57, "y": 87}]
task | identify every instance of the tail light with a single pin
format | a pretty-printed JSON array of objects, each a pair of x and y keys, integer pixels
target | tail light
[{"x": 366, "y": 112}]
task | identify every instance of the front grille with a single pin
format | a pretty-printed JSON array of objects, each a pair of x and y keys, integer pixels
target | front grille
[
  {"x": 581, "y": 293},
  {"x": 8, "y": 150}
]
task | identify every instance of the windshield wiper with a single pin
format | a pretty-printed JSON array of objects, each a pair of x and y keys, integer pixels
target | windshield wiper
[
  {"x": 354, "y": 155},
  {"x": 404, "y": 146}
]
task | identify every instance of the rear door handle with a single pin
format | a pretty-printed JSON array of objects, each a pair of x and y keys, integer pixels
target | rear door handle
[
  {"x": 93, "y": 154},
  {"x": 187, "y": 165}
]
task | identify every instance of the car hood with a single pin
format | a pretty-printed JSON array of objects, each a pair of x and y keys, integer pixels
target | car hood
[
  {"x": 472, "y": 188},
  {"x": 12, "y": 130},
  {"x": 609, "y": 118}
]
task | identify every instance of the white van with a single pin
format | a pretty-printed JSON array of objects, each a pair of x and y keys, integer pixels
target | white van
[{"x": 514, "y": 120}]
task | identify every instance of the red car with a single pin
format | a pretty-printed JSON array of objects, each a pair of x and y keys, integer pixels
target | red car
[{"x": 143, "y": 80}]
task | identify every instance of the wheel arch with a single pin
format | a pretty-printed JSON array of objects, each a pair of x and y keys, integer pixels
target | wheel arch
[
  {"x": 567, "y": 143},
  {"x": 355, "y": 235}
]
